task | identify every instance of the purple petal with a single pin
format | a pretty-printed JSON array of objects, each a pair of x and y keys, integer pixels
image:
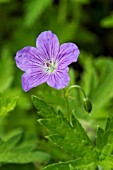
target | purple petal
[
  {"x": 28, "y": 58},
  {"x": 59, "y": 80},
  {"x": 48, "y": 44},
  {"x": 68, "y": 54},
  {"x": 33, "y": 79}
]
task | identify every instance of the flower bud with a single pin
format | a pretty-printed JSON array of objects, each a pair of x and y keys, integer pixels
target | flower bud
[{"x": 87, "y": 104}]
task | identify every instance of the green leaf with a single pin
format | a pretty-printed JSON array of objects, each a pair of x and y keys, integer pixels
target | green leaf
[
  {"x": 7, "y": 105},
  {"x": 78, "y": 164},
  {"x": 72, "y": 76},
  {"x": 34, "y": 9},
  {"x": 4, "y": 1},
  {"x": 12, "y": 139},
  {"x": 81, "y": 1},
  {"x": 69, "y": 137},
  {"x": 14, "y": 150},
  {"x": 89, "y": 77},
  {"x": 99, "y": 96},
  {"x": 97, "y": 73},
  {"x": 6, "y": 71},
  {"x": 73, "y": 140},
  {"x": 29, "y": 166},
  {"x": 107, "y": 22},
  {"x": 108, "y": 139},
  {"x": 44, "y": 109},
  {"x": 105, "y": 144},
  {"x": 99, "y": 142}
]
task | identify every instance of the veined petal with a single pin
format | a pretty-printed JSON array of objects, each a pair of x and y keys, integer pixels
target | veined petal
[
  {"x": 48, "y": 44},
  {"x": 68, "y": 54},
  {"x": 28, "y": 58},
  {"x": 59, "y": 80},
  {"x": 33, "y": 79}
]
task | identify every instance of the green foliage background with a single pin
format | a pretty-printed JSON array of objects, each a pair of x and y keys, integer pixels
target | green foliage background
[{"x": 89, "y": 24}]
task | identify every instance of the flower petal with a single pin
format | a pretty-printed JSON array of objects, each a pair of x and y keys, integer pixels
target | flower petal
[
  {"x": 59, "y": 80},
  {"x": 68, "y": 54},
  {"x": 33, "y": 79},
  {"x": 48, "y": 44},
  {"x": 28, "y": 58}
]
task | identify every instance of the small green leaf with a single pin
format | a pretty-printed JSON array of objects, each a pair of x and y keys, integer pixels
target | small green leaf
[
  {"x": 107, "y": 22},
  {"x": 44, "y": 109},
  {"x": 7, "y": 105},
  {"x": 11, "y": 103},
  {"x": 12, "y": 150},
  {"x": 11, "y": 139}
]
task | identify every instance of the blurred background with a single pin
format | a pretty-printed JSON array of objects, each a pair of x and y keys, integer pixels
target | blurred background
[{"x": 87, "y": 23}]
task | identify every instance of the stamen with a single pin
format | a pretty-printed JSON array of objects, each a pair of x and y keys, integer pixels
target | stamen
[
  {"x": 47, "y": 64},
  {"x": 50, "y": 66}
]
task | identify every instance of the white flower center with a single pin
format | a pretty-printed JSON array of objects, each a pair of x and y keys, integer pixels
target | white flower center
[{"x": 50, "y": 66}]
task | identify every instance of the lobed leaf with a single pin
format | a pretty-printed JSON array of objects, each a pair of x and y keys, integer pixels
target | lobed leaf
[
  {"x": 78, "y": 164},
  {"x": 105, "y": 144},
  {"x": 69, "y": 137}
]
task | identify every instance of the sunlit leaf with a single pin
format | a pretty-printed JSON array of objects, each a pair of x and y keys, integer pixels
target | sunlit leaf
[{"x": 7, "y": 105}]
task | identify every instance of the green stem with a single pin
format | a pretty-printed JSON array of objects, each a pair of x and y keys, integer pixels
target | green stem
[
  {"x": 86, "y": 101},
  {"x": 67, "y": 106},
  {"x": 76, "y": 86}
]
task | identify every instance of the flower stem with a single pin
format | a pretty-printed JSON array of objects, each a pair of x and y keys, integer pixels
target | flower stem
[
  {"x": 86, "y": 101},
  {"x": 76, "y": 86},
  {"x": 67, "y": 106}
]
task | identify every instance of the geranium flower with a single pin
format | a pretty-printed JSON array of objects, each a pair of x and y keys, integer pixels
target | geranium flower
[{"x": 48, "y": 62}]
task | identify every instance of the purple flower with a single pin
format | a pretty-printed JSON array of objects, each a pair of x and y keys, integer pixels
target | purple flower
[{"x": 48, "y": 62}]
